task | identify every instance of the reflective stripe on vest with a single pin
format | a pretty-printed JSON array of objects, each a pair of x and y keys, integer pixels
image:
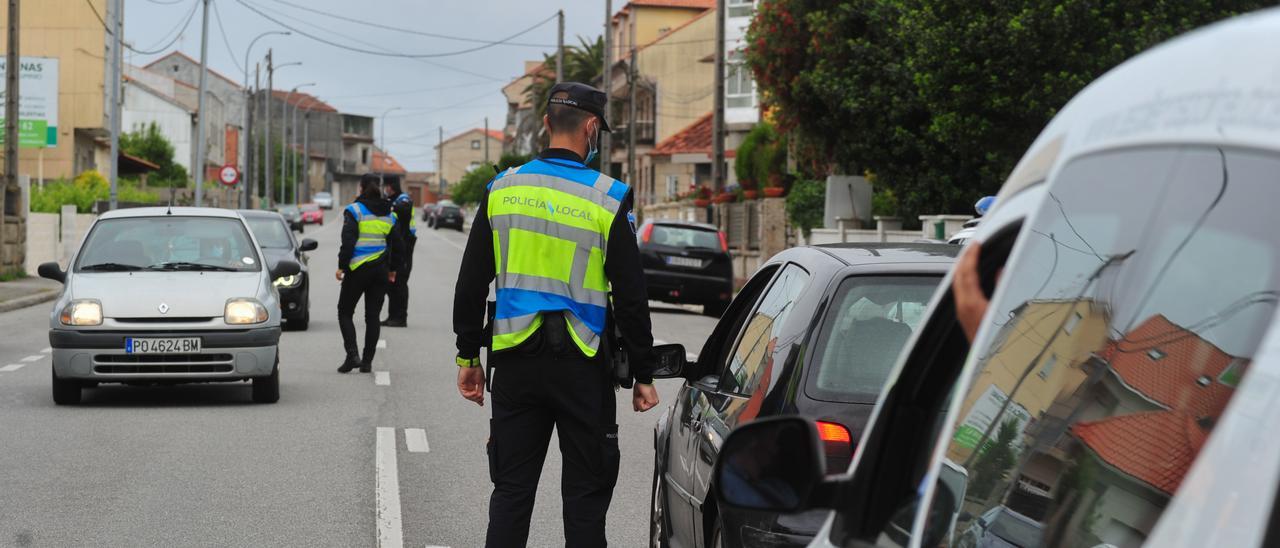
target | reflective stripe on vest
[
  {"x": 413, "y": 221},
  {"x": 374, "y": 229},
  {"x": 551, "y": 221}
]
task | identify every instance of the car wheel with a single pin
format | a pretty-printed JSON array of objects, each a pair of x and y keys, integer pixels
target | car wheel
[
  {"x": 267, "y": 389},
  {"x": 657, "y": 519},
  {"x": 304, "y": 320},
  {"x": 715, "y": 310},
  {"x": 65, "y": 391}
]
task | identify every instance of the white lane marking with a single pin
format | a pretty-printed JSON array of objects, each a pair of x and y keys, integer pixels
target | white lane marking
[
  {"x": 416, "y": 440},
  {"x": 382, "y": 344},
  {"x": 390, "y": 529},
  {"x": 448, "y": 241},
  {"x": 434, "y": 546},
  {"x": 11, "y": 367},
  {"x": 382, "y": 378},
  {"x": 30, "y": 359},
  {"x": 46, "y": 350}
]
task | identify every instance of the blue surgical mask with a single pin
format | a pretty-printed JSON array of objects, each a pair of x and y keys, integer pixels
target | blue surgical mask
[{"x": 593, "y": 148}]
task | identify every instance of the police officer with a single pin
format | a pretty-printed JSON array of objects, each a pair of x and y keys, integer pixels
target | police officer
[
  {"x": 559, "y": 239},
  {"x": 367, "y": 261},
  {"x": 407, "y": 228}
]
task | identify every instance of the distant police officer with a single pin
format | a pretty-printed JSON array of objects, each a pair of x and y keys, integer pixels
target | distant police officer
[
  {"x": 367, "y": 261},
  {"x": 407, "y": 228},
  {"x": 558, "y": 238}
]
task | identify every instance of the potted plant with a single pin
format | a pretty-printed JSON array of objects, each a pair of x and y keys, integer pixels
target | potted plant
[
  {"x": 771, "y": 167},
  {"x": 701, "y": 196}
]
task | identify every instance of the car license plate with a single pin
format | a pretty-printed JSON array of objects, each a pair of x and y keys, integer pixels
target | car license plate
[
  {"x": 684, "y": 261},
  {"x": 186, "y": 345}
]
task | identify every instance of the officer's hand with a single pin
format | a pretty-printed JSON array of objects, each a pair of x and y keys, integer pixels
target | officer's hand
[
  {"x": 471, "y": 384},
  {"x": 644, "y": 397},
  {"x": 338, "y": 275},
  {"x": 391, "y": 277},
  {"x": 966, "y": 287}
]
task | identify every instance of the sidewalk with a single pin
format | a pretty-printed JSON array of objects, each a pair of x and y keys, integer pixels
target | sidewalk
[{"x": 27, "y": 292}]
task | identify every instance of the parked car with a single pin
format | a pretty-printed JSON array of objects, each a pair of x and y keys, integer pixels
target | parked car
[
  {"x": 815, "y": 331},
  {"x": 1122, "y": 381},
  {"x": 448, "y": 215},
  {"x": 293, "y": 216},
  {"x": 311, "y": 214},
  {"x": 163, "y": 296},
  {"x": 687, "y": 263},
  {"x": 278, "y": 244},
  {"x": 429, "y": 213},
  {"x": 323, "y": 199}
]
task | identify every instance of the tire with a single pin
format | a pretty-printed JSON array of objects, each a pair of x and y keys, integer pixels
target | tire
[
  {"x": 267, "y": 389},
  {"x": 715, "y": 310},
  {"x": 301, "y": 323},
  {"x": 65, "y": 391},
  {"x": 657, "y": 519}
]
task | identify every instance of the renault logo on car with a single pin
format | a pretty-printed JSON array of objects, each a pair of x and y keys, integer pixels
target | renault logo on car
[{"x": 164, "y": 308}]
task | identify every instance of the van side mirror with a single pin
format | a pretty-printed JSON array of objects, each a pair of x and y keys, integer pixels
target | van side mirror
[
  {"x": 52, "y": 271},
  {"x": 285, "y": 268},
  {"x": 772, "y": 465},
  {"x": 669, "y": 361},
  {"x": 307, "y": 244}
]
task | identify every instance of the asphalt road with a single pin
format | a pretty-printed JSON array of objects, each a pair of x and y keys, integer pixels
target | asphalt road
[{"x": 341, "y": 460}]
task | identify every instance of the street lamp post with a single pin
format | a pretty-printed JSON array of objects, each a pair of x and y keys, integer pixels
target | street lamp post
[
  {"x": 293, "y": 138},
  {"x": 246, "y": 187},
  {"x": 383, "y": 138},
  {"x": 284, "y": 145}
]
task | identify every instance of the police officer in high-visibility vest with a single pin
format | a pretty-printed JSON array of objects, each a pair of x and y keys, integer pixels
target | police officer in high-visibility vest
[
  {"x": 367, "y": 262},
  {"x": 558, "y": 239},
  {"x": 407, "y": 227}
]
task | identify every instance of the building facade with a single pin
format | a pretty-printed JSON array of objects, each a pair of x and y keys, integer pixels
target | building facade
[
  {"x": 466, "y": 151},
  {"x": 224, "y": 107}
]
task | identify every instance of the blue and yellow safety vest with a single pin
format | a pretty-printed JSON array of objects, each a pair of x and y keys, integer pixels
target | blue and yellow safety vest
[
  {"x": 413, "y": 213},
  {"x": 551, "y": 221},
  {"x": 374, "y": 229}
]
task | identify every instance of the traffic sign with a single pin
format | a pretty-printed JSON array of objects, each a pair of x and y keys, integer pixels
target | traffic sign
[{"x": 229, "y": 175}]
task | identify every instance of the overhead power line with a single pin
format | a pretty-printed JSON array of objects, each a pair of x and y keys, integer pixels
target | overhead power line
[
  {"x": 217, "y": 16},
  {"x": 181, "y": 29},
  {"x": 99, "y": 16},
  {"x": 411, "y": 91},
  {"x": 404, "y": 30}
]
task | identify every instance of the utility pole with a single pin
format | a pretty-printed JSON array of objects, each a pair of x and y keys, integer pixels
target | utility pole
[
  {"x": 606, "y": 138},
  {"x": 486, "y": 141},
  {"x": 717, "y": 109},
  {"x": 113, "y": 116},
  {"x": 631, "y": 106},
  {"x": 440, "y": 162},
  {"x": 306, "y": 156},
  {"x": 250, "y": 181},
  {"x": 201, "y": 123},
  {"x": 7, "y": 205},
  {"x": 560, "y": 48},
  {"x": 293, "y": 154}
]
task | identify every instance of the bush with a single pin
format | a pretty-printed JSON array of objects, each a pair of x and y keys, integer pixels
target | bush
[
  {"x": 806, "y": 204},
  {"x": 471, "y": 187},
  {"x": 87, "y": 188},
  {"x": 761, "y": 156}
]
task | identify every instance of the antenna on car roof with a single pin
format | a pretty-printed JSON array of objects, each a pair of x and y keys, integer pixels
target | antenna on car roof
[{"x": 172, "y": 190}]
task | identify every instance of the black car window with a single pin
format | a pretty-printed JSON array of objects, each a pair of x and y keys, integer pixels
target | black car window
[
  {"x": 684, "y": 236},
  {"x": 271, "y": 233},
  {"x": 715, "y": 352},
  {"x": 1126, "y": 325},
  {"x": 864, "y": 331},
  {"x": 755, "y": 347}
]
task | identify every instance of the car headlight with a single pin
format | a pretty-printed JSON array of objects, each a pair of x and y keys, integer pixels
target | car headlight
[
  {"x": 287, "y": 281},
  {"x": 82, "y": 312},
  {"x": 244, "y": 311}
]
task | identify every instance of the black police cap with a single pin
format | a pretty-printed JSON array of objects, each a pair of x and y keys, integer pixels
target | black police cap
[{"x": 581, "y": 96}]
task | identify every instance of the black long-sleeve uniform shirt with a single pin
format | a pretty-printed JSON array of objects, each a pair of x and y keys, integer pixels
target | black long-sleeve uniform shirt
[
  {"x": 621, "y": 266},
  {"x": 351, "y": 233}
]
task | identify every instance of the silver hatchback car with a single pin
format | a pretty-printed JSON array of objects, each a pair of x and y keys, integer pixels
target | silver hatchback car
[{"x": 166, "y": 296}]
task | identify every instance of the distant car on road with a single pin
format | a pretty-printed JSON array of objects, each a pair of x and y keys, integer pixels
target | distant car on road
[
  {"x": 448, "y": 215},
  {"x": 278, "y": 244},
  {"x": 311, "y": 214},
  {"x": 166, "y": 296},
  {"x": 323, "y": 199},
  {"x": 293, "y": 216},
  {"x": 687, "y": 263},
  {"x": 429, "y": 213}
]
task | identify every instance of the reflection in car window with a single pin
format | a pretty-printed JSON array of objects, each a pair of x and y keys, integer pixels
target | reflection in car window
[
  {"x": 271, "y": 233},
  {"x": 1129, "y": 318},
  {"x": 154, "y": 242},
  {"x": 753, "y": 357},
  {"x": 870, "y": 323}
]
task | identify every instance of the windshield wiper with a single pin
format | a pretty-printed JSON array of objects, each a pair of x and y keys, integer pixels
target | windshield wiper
[
  {"x": 182, "y": 265},
  {"x": 110, "y": 267}
]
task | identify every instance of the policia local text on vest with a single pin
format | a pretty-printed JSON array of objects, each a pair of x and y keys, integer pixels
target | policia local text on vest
[
  {"x": 367, "y": 263},
  {"x": 557, "y": 240}
]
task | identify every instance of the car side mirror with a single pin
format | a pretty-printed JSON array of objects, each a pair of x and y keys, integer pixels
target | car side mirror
[
  {"x": 772, "y": 465},
  {"x": 669, "y": 361},
  {"x": 285, "y": 268},
  {"x": 52, "y": 271},
  {"x": 307, "y": 244}
]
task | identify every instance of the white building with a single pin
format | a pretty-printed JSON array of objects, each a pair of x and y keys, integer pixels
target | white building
[
  {"x": 741, "y": 102},
  {"x": 150, "y": 98}
]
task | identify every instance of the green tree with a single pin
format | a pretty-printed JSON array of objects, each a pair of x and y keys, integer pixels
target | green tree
[
  {"x": 805, "y": 204},
  {"x": 940, "y": 98},
  {"x": 277, "y": 148},
  {"x": 87, "y": 189},
  {"x": 149, "y": 144},
  {"x": 995, "y": 461},
  {"x": 471, "y": 187},
  {"x": 582, "y": 63}
]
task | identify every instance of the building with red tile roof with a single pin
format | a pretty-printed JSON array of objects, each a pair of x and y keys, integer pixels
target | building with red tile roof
[
  {"x": 302, "y": 101},
  {"x": 1173, "y": 366},
  {"x": 1156, "y": 447},
  {"x": 385, "y": 163}
]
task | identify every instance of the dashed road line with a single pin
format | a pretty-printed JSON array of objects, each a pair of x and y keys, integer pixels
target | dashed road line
[
  {"x": 382, "y": 344},
  {"x": 416, "y": 440},
  {"x": 30, "y": 359},
  {"x": 387, "y": 476},
  {"x": 11, "y": 367},
  {"x": 382, "y": 378}
]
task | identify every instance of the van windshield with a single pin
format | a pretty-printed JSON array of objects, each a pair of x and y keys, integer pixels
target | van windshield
[{"x": 168, "y": 243}]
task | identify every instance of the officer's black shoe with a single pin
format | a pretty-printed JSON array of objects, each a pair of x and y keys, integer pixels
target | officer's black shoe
[
  {"x": 351, "y": 362},
  {"x": 394, "y": 323},
  {"x": 366, "y": 367}
]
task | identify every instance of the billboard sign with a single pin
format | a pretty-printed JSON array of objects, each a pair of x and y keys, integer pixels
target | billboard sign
[{"x": 38, "y": 105}]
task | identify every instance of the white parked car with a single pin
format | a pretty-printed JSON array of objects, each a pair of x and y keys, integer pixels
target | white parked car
[
  {"x": 165, "y": 296},
  {"x": 323, "y": 199}
]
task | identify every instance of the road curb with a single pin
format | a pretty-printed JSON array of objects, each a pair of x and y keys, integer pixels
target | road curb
[{"x": 29, "y": 300}]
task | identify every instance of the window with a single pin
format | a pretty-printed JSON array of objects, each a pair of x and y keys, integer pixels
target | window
[
  {"x": 137, "y": 243},
  {"x": 673, "y": 186},
  {"x": 740, "y": 89},
  {"x": 752, "y": 358},
  {"x": 864, "y": 332},
  {"x": 364, "y": 156},
  {"x": 741, "y": 8},
  {"x": 473, "y": 165},
  {"x": 1170, "y": 251},
  {"x": 475, "y": 144}
]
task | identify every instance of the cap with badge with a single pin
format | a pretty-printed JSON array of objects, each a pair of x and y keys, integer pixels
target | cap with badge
[{"x": 581, "y": 96}]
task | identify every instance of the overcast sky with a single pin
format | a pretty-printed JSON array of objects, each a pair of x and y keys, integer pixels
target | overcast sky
[{"x": 456, "y": 92}]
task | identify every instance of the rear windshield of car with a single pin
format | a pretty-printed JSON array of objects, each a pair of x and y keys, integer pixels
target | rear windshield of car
[
  {"x": 1019, "y": 531},
  {"x": 323, "y": 195},
  {"x": 684, "y": 236},
  {"x": 450, "y": 210},
  {"x": 271, "y": 233},
  {"x": 866, "y": 329},
  {"x": 168, "y": 243},
  {"x": 311, "y": 207}
]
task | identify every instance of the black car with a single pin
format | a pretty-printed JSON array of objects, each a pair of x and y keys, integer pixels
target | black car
[
  {"x": 278, "y": 243},
  {"x": 814, "y": 332},
  {"x": 687, "y": 263},
  {"x": 292, "y": 216},
  {"x": 447, "y": 215}
]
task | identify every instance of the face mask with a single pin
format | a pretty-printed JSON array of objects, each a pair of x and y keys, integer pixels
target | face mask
[{"x": 593, "y": 146}]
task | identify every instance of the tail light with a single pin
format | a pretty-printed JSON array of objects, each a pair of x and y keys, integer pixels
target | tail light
[
  {"x": 837, "y": 443},
  {"x": 724, "y": 243},
  {"x": 646, "y": 233}
]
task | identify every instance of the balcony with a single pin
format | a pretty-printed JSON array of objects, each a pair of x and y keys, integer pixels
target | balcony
[{"x": 645, "y": 131}]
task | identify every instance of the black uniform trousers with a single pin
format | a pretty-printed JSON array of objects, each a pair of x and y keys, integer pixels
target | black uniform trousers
[
  {"x": 368, "y": 281},
  {"x": 544, "y": 383},
  {"x": 398, "y": 292}
]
